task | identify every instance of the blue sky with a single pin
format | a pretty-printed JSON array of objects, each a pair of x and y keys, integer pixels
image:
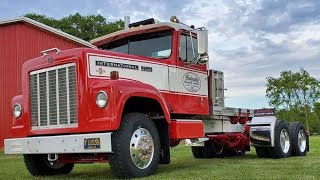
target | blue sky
[{"x": 248, "y": 39}]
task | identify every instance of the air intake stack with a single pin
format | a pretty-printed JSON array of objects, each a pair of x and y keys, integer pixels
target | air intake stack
[{"x": 216, "y": 88}]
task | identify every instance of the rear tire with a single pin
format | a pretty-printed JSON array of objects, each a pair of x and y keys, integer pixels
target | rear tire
[
  {"x": 282, "y": 141},
  {"x": 210, "y": 150},
  {"x": 136, "y": 147},
  {"x": 263, "y": 152},
  {"x": 218, "y": 150},
  {"x": 197, "y": 152},
  {"x": 298, "y": 138},
  {"x": 233, "y": 152},
  {"x": 241, "y": 153},
  {"x": 38, "y": 165}
]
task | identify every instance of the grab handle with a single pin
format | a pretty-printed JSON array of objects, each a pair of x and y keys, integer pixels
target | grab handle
[{"x": 45, "y": 52}]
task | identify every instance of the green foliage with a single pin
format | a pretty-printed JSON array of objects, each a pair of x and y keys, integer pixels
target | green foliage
[
  {"x": 316, "y": 110},
  {"x": 295, "y": 95},
  {"x": 291, "y": 115},
  {"x": 83, "y": 27}
]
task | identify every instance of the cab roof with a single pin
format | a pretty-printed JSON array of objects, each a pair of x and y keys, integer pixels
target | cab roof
[{"x": 147, "y": 28}]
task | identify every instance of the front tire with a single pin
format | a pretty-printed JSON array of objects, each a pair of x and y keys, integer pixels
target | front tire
[
  {"x": 136, "y": 147},
  {"x": 38, "y": 165}
]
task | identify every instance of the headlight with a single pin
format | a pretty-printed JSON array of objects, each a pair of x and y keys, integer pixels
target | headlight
[
  {"x": 17, "y": 110},
  {"x": 102, "y": 99}
]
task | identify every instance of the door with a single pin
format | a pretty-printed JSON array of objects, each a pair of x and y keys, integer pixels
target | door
[{"x": 191, "y": 79}]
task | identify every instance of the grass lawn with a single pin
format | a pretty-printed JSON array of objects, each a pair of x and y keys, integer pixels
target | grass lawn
[{"x": 184, "y": 166}]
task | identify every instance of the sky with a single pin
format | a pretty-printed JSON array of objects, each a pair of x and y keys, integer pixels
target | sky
[{"x": 249, "y": 40}]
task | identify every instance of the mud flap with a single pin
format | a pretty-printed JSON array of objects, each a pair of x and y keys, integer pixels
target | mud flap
[
  {"x": 163, "y": 130},
  {"x": 262, "y": 131}
]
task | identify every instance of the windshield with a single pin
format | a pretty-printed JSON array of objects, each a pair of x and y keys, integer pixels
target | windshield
[{"x": 155, "y": 45}]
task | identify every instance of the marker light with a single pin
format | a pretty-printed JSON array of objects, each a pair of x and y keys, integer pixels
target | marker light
[
  {"x": 174, "y": 19},
  {"x": 114, "y": 75}
]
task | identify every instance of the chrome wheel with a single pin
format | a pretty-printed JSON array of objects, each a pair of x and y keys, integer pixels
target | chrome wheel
[
  {"x": 284, "y": 140},
  {"x": 141, "y": 148},
  {"x": 302, "y": 141}
]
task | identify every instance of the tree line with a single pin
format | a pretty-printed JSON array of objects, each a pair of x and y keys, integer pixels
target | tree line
[
  {"x": 83, "y": 27},
  {"x": 296, "y": 96}
]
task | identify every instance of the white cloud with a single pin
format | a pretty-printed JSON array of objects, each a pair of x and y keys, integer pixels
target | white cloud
[
  {"x": 247, "y": 53},
  {"x": 137, "y": 10}
]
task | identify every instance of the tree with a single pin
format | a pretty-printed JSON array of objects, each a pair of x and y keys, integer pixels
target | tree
[
  {"x": 83, "y": 27},
  {"x": 293, "y": 93},
  {"x": 308, "y": 92},
  {"x": 281, "y": 91},
  {"x": 44, "y": 19},
  {"x": 316, "y": 110}
]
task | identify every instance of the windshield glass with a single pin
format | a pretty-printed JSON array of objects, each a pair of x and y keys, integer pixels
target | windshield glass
[{"x": 155, "y": 45}]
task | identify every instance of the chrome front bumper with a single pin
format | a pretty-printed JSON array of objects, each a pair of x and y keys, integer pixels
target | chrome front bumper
[{"x": 80, "y": 143}]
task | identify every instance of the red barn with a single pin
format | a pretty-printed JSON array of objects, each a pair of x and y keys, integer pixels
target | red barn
[{"x": 22, "y": 39}]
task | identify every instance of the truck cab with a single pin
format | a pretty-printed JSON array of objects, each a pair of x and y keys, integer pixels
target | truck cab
[
  {"x": 140, "y": 92},
  {"x": 168, "y": 58}
]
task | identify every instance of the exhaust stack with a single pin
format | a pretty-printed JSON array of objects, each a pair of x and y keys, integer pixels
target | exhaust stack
[{"x": 126, "y": 22}]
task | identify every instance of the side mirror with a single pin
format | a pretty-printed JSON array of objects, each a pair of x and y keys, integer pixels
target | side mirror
[{"x": 202, "y": 37}]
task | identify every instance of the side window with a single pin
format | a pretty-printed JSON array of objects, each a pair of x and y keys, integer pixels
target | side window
[
  {"x": 190, "y": 55},
  {"x": 185, "y": 49}
]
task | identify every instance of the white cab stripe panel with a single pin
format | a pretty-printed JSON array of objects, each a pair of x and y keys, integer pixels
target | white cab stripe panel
[
  {"x": 157, "y": 75},
  {"x": 130, "y": 70}
]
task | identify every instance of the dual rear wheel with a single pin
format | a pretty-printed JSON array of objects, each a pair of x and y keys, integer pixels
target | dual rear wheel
[
  {"x": 289, "y": 141},
  {"x": 299, "y": 139}
]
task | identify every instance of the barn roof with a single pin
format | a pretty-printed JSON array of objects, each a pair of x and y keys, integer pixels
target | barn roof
[{"x": 47, "y": 28}]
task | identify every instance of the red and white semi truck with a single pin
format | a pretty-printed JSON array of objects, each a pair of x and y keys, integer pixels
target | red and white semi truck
[{"x": 142, "y": 91}]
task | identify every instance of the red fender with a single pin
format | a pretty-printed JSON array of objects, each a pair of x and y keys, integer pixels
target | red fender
[{"x": 121, "y": 90}]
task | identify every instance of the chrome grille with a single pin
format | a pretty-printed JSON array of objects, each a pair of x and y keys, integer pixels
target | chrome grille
[{"x": 53, "y": 97}]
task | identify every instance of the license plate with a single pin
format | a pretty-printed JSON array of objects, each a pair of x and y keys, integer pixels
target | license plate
[{"x": 91, "y": 143}]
